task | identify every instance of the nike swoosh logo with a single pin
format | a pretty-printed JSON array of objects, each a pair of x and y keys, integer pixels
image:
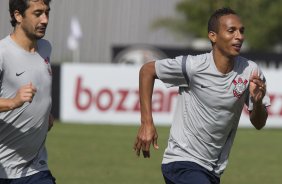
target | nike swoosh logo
[
  {"x": 18, "y": 74},
  {"x": 203, "y": 86}
]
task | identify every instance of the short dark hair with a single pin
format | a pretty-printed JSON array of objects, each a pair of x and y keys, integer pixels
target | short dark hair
[
  {"x": 21, "y": 6},
  {"x": 214, "y": 19}
]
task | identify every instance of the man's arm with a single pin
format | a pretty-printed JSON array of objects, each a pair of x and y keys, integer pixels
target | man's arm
[
  {"x": 147, "y": 133},
  {"x": 50, "y": 121},
  {"x": 258, "y": 115},
  {"x": 24, "y": 94}
]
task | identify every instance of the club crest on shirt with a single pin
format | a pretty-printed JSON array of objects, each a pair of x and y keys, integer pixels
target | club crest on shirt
[
  {"x": 47, "y": 61},
  {"x": 240, "y": 87}
]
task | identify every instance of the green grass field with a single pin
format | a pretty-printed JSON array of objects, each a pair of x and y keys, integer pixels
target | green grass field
[{"x": 102, "y": 154}]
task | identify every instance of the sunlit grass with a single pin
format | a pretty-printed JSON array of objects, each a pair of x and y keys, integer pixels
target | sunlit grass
[{"x": 90, "y": 154}]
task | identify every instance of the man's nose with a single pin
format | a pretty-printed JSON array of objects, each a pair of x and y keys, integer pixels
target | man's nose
[
  {"x": 44, "y": 18},
  {"x": 239, "y": 35}
]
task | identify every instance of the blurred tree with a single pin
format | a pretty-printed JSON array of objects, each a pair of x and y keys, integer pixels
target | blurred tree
[{"x": 260, "y": 17}]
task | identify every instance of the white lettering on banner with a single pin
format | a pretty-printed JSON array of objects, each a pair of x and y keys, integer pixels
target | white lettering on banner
[{"x": 106, "y": 99}]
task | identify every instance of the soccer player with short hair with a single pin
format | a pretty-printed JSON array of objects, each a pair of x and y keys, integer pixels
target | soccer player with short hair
[
  {"x": 213, "y": 89},
  {"x": 25, "y": 95}
]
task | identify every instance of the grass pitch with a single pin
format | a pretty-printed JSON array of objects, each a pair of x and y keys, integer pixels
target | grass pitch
[{"x": 103, "y": 154}]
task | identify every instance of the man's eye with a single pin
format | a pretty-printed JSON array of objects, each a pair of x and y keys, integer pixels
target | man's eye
[{"x": 37, "y": 14}]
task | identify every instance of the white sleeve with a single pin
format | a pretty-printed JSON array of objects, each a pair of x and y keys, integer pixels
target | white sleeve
[{"x": 169, "y": 71}]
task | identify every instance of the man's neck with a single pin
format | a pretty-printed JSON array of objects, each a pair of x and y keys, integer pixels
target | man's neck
[
  {"x": 24, "y": 41},
  {"x": 224, "y": 64}
]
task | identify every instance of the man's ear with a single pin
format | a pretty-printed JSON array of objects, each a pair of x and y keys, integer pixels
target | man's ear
[
  {"x": 212, "y": 36},
  {"x": 18, "y": 16}
]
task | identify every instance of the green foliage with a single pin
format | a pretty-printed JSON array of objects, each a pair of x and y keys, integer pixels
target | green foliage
[
  {"x": 89, "y": 154},
  {"x": 260, "y": 17}
]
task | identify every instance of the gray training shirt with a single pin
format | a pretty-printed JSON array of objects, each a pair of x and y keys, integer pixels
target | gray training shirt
[
  {"x": 208, "y": 108},
  {"x": 23, "y": 130}
]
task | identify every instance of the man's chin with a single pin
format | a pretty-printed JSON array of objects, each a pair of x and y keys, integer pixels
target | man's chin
[
  {"x": 235, "y": 53},
  {"x": 39, "y": 36}
]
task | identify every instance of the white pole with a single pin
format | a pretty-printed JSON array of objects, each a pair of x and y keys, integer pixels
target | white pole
[{"x": 73, "y": 39}]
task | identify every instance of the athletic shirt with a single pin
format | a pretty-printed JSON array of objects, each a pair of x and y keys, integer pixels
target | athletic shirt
[
  {"x": 23, "y": 130},
  {"x": 208, "y": 109}
]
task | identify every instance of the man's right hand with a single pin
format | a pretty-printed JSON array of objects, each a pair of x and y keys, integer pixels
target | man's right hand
[
  {"x": 147, "y": 135},
  {"x": 24, "y": 94}
]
